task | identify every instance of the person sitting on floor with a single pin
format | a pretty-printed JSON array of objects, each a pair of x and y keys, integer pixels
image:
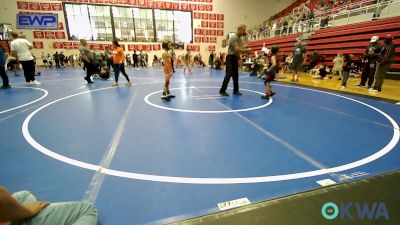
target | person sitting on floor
[{"x": 23, "y": 208}]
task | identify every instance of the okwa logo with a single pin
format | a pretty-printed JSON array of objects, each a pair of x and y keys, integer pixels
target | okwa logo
[{"x": 363, "y": 211}]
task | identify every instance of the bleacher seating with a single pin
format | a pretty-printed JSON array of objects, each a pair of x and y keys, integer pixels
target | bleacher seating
[
  {"x": 353, "y": 38},
  {"x": 285, "y": 43}
]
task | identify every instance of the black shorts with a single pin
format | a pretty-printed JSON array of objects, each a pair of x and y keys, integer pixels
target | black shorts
[{"x": 270, "y": 77}]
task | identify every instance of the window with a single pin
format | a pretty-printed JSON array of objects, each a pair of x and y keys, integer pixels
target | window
[
  {"x": 144, "y": 26},
  {"x": 123, "y": 23},
  {"x": 100, "y": 23},
  {"x": 78, "y": 22}
]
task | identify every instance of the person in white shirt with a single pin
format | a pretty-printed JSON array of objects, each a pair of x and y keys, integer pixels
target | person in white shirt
[{"x": 20, "y": 49}]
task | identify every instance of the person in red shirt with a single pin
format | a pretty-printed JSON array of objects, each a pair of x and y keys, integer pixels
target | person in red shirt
[{"x": 118, "y": 63}]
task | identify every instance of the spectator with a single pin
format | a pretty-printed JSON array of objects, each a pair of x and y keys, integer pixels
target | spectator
[
  {"x": 314, "y": 59},
  {"x": 372, "y": 51},
  {"x": 24, "y": 207},
  {"x": 298, "y": 56},
  {"x": 3, "y": 73},
  {"x": 385, "y": 59},
  {"x": 338, "y": 65}
]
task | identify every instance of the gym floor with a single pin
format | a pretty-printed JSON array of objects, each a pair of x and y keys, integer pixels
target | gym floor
[{"x": 141, "y": 160}]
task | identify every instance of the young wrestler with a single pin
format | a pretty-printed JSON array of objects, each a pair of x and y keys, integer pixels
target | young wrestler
[
  {"x": 166, "y": 95},
  {"x": 272, "y": 70}
]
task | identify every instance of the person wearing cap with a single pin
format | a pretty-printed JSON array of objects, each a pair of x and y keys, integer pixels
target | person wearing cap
[
  {"x": 385, "y": 60},
  {"x": 372, "y": 52}
]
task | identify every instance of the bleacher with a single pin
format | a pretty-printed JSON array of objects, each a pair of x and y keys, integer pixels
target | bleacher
[
  {"x": 353, "y": 39},
  {"x": 285, "y": 43}
]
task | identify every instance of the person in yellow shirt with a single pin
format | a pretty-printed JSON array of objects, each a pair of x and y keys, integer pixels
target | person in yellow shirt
[{"x": 118, "y": 63}]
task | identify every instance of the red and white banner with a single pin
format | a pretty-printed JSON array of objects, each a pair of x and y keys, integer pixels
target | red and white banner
[
  {"x": 201, "y": 7},
  {"x": 220, "y": 25},
  {"x": 38, "y": 34},
  {"x": 121, "y": 2},
  {"x": 60, "y": 26},
  {"x": 213, "y": 39},
  {"x": 168, "y": 5},
  {"x": 197, "y": 31},
  {"x": 212, "y": 24},
  {"x": 197, "y": 39},
  {"x": 34, "y": 6},
  {"x": 208, "y": 1},
  {"x": 156, "y": 47},
  {"x": 142, "y": 3},
  {"x": 158, "y": 5},
  {"x": 220, "y": 32},
  {"x": 45, "y": 6},
  {"x": 60, "y": 34},
  {"x": 58, "y": 45},
  {"x": 211, "y": 48},
  {"x": 193, "y": 47},
  {"x": 184, "y": 6},
  {"x": 56, "y": 6},
  {"x": 212, "y": 16},
  {"x": 76, "y": 45},
  {"x": 212, "y": 32},
  {"x": 131, "y": 47},
  {"x": 22, "y": 5},
  {"x": 204, "y": 32},
  {"x": 204, "y": 16},
  {"x": 49, "y": 35},
  {"x": 176, "y": 5},
  {"x": 68, "y": 45},
  {"x": 205, "y": 39},
  {"x": 197, "y": 15},
  {"x": 204, "y": 23},
  {"x": 193, "y": 7},
  {"x": 220, "y": 17},
  {"x": 209, "y": 8},
  {"x": 38, "y": 44}
]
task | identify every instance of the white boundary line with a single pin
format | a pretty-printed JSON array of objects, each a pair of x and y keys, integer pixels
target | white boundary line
[
  {"x": 146, "y": 99},
  {"x": 44, "y": 96},
  {"x": 192, "y": 180}
]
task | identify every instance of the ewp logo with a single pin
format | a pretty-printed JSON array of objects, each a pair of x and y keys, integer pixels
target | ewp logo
[
  {"x": 374, "y": 211},
  {"x": 37, "y": 21}
]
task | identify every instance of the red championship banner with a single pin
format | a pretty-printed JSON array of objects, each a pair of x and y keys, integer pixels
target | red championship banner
[
  {"x": 60, "y": 34},
  {"x": 213, "y": 39},
  {"x": 76, "y": 45},
  {"x": 158, "y": 5},
  {"x": 60, "y": 26},
  {"x": 197, "y": 31},
  {"x": 34, "y": 6},
  {"x": 189, "y": 47},
  {"x": 102, "y": 46},
  {"x": 56, "y": 6},
  {"x": 38, "y": 34},
  {"x": 38, "y": 44},
  {"x": 82, "y": 1},
  {"x": 184, "y": 6},
  {"x": 205, "y": 39},
  {"x": 156, "y": 47},
  {"x": 208, "y": 1},
  {"x": 220, "y": 32},
  {"x": 204, "y": 16},
  {"x": 204, "y": 32},
  {"x": 121, "y": 2},
  {"x": 220, "y": 16},
  {"x": 175, "y": 5},
  {"x": 68, "y": 45},
  {"x": 209, "y": 7},
  {"x": 193, "y": 7},
  {"x": 201, "y": 7},
  {"x": 113, "y": 2},
  {"x": 168, "y": 5},
  {"x": 196, "y": 48},
  {"x": 131, "y": 2},
  {"x": 204, "y": 23},
  {"x": 150, "y": 3},
  {"x": 49, "y": 34},
  {"x": 220, "y": 25},
  {"x": 212, "y": 16},
  {"x": 212, "y": 32},
  {"x": 197, "y": 39},
  {"x": 91, "y": 46},
  {"x": 45, "y": 6},
  {"x": 96, "y": 1},
  {"x": 106, "y": 2},
  {"x": 212, "y": 24},
  {"x": 131, "y": 47},
  {"x": 58, "y": 45},
  {"x": 77, "y": 1},
  {"x": 22, "y": 5},
  {"x": 211, "y": 48},
  {"x": 198, "y": 1},
  {"x": 142, "y": 3},
  {"x": 196, "y": 15}
]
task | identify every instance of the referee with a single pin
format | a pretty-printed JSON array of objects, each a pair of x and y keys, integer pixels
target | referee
[{"x": 232, "y": 66}]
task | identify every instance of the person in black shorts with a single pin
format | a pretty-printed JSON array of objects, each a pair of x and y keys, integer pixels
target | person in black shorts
[{"x": 271, "y": 72}]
